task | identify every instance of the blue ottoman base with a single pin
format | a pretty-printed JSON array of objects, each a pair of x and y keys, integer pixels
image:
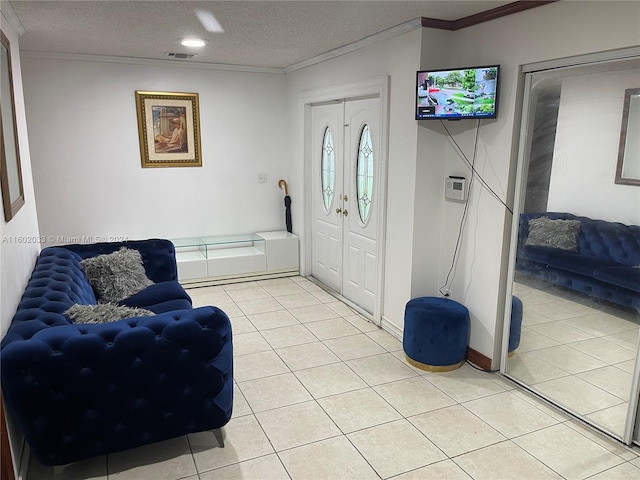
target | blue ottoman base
[
  {"x": 516, "y": 325},
  {"x": 436, "y": 333}
]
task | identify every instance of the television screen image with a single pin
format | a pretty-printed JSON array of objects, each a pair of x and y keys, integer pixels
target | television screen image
[{"x": 457, "y": 93}]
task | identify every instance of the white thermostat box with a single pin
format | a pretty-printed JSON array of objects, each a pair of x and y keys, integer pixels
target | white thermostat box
[{"x": 455, "y": 188}]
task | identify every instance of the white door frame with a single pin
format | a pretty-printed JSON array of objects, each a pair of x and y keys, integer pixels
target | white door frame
[{"x": 375, "y": 87}]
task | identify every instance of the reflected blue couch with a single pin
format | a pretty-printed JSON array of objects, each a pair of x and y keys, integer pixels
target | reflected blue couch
[
  {"x": 80, "y": 390},
  {"x": 606, "y": 264}
]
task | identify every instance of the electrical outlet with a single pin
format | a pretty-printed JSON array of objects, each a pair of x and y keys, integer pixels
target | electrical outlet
[{"x": 262, "y": 177}]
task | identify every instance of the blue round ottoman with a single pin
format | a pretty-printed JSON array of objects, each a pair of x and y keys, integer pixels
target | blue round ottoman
[
  {"x": 436, "y": 333},
  {"x": 516, "y": 324}
]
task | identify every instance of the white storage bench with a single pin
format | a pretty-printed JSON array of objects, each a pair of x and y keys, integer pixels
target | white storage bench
[{"x": 235, "y": 258}]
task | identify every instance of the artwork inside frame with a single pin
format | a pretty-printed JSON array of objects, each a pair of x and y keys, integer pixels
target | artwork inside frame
[
  {"x": 10, "y": 169},
  {"x": 169, "y": 129}
]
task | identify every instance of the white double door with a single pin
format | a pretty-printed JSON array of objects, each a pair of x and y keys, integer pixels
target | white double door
[{"x": 345, "y": 187}]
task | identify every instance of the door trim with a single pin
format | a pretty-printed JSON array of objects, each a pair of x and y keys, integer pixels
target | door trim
[{"x": 374, "y": 87}]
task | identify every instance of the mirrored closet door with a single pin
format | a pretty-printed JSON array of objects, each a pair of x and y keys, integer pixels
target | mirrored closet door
[{"x": 576, "y": 243}]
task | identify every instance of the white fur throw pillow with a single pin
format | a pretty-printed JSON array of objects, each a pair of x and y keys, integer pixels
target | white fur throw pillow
[
  {"x": 116, "y": 276},
  {"x": 104, "y": 312}
]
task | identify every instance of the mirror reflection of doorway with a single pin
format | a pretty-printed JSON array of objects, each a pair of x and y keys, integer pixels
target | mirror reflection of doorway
[{"x": 578, "y": 247}]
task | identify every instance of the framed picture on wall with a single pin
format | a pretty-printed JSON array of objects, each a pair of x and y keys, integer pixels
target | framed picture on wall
[
  {"x": 10, "y": 170},
  {"x": 169, "y": 129}
]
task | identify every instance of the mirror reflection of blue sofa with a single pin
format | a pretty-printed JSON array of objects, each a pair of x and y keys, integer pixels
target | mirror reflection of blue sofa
[
  {"x": 603, "y": 261},
  {"x": 81, "y": 390}
]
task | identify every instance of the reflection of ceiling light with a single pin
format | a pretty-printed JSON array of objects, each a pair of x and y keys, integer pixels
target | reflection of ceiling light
[{"x": 192, "y": 42}]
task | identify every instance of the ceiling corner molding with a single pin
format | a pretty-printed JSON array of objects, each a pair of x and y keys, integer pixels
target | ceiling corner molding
[
  {"x": 437, "y": 23},
  {"x": 503, "y": 11},
  {"x": 153, "y": 62},
  {"x": 10, "y": 15},
  {"x": 424, "y": 22},
  {"x": 498, "y": 12},
  {"x": 357, "y": 45}
]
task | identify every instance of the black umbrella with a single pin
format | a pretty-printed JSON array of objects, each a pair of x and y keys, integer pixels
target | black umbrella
[{"x": 287, "y": 203}]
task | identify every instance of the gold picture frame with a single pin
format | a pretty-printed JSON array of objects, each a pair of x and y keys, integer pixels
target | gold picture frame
[
  {"x": 10, "y": 169},
  {"x": 169, "y": 129}
]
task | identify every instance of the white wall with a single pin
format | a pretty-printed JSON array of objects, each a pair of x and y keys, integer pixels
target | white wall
[
  {"x": 18, "y": 249},
  {"x": 586, "y": 149},
  {"x": 429, "y": 180},
  {"x": 552, "y": 31},
  {"x": 19, "y": 246},
  {"x": 86, "y": 157}
]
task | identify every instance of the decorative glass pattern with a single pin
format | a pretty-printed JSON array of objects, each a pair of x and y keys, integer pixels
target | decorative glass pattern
[
  {"x": 328, "y": 169},
  {"x": 364, "y": 176}
]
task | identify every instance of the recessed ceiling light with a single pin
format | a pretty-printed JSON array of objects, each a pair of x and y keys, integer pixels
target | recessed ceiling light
[{"x": 192, "y": 42}]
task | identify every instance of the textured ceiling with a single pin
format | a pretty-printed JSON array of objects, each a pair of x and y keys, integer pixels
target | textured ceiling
[{"x": 256, "y": 33}]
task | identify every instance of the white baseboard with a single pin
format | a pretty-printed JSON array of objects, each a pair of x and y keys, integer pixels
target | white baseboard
[{"x": 390, "y": 327}]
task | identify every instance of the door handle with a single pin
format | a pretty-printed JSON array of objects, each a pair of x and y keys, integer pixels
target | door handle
[
  {"x": 345, "y": 213},
  {"x": 338, "y": 211}
]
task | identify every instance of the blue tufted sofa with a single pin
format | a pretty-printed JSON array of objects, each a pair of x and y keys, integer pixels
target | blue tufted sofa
[
  {"x": 605, "y": 265},
  {"x": 83, "y": 390}
]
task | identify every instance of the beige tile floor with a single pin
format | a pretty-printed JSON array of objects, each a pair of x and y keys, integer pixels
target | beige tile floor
[
  {"x": 577, "y": 351},
  {"x": 323, "y": 394}
]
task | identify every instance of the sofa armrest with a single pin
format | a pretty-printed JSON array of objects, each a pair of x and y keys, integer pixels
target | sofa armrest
[
  {"x": 158, "y": 255},
  {"x": 84, "y": 390}
]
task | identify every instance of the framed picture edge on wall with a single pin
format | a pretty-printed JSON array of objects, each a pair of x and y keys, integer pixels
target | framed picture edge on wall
[
  {"x": 629, "y": 157},
  {"x": 10, "y": 164}
]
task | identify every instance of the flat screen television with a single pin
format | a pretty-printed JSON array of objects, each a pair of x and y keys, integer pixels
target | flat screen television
[{"x": 457, "y": 93}]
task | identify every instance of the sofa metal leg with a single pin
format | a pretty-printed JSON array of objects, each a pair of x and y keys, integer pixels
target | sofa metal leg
[{"x": 217, "y": 433}]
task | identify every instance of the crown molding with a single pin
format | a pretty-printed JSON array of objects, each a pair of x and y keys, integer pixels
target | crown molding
[
  {"x": 498, "y": 12},
  {"x": 152, "y": 62},
  {"x": 357, "y": 45},
  {"x": 9, "y": 14},
  {"x": 422, "y": 22}
]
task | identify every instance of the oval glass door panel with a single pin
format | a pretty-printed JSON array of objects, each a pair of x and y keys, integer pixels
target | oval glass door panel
[
  {"x": 328, "y": 170},
  {"x": 364, "y": 177}
]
